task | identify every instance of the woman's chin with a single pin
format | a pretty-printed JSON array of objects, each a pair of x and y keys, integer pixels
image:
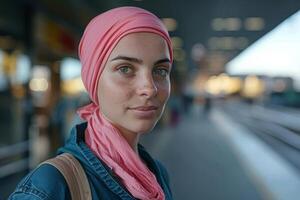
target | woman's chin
[{"x": 144, "y": 128}]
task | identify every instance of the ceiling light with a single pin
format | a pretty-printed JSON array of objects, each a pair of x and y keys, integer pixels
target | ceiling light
[
  {"x": 177, "y": 42},
  {"x": 226, "y": 24},
  {"x": 254, "y": 23},
  {"x": 170, "y": 23},
  {"x": 241, "y": 42},
  {"x": 217, "y": 24},
  {"x": 233, "y": 24}
]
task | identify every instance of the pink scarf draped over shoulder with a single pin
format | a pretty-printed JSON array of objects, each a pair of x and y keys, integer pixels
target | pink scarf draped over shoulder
[{"x": 100, "y": 37}]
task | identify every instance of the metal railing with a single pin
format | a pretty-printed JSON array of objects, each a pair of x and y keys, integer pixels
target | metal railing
[{"x": 14, "y": 158}]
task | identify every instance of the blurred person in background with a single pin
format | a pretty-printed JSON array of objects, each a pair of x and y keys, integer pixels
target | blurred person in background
[{"x": 126, "y": 57}]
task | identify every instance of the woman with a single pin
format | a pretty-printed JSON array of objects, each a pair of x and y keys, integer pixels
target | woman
[{"x": 126, "y": 57}]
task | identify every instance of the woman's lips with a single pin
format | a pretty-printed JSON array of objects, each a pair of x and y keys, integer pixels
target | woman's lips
[{"x": 144, "y": 111}]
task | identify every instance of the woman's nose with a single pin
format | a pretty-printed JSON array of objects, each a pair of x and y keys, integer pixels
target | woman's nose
[{"x": 147, "y": 87}]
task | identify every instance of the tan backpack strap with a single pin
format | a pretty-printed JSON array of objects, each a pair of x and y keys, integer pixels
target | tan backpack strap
[{"x": 74, "y": 175}]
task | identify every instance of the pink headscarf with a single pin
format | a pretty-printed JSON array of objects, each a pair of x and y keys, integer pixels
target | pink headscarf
[{"x": 99, "y": 39}]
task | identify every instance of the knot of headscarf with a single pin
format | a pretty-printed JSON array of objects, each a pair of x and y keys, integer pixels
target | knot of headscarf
[{"x": 99, "y": 39}]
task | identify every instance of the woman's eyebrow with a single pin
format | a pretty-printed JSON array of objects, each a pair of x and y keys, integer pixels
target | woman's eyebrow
[
  {"x": 130, "y": 59},
  {"x": 136, "y": 60},
  {"x": 162, "y": 61}
]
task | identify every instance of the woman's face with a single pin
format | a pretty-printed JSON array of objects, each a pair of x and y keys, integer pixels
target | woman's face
[{"x": 135, "y": 83}]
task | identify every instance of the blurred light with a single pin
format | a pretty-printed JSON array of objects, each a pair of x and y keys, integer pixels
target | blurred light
[
  {"x": 253, "y": 87},
  {"x": 241, "y": 43},
  {"x": 227, "y": 43},
  {"x": 40, "y": 71},
  {"x": 14, "y": 67},
  {"x": 39, "y": 78},
  {"x": 198, "y": 83},
  {"x": 9, "y": 64},
  {"x": 73, "y": 86},
  {"x": 235, "y": 86},
  {"x": 233, "y": 24},
  {"x": 70, "y": 71},
  {"x": 179, "y": 54},
  {"x": 198, "y": 52},
  {"x": 217, "y": 24},
  {"x": 70, "y": 68},
  {"x": 223, "y": 84},
  {"x": 275, "y": 54},
  {"x": 177, "y": 42},
  {"x": 226, "y": 24},
  {"x": 254, "y": 23},
  {"x": 212, "y": 86},
  {"x": 38, "y": 84},
  {"x": 170, "y": 23},
  {"x": 22, "y": 74}
]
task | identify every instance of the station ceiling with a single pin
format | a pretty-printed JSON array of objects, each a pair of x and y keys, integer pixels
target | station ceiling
[{"x": 198, "y": 21}]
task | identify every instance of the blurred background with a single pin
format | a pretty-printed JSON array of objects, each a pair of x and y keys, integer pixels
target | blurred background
[{"x": 231, "y": 127}]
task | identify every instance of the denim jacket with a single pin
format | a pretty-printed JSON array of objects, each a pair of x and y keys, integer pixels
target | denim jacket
[{"x": 46, "y": 182}]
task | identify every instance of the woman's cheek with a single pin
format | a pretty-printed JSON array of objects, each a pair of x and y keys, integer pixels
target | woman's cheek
[
  {"x": 165, "y": 87},
  {"x": 163, "y": 95}
]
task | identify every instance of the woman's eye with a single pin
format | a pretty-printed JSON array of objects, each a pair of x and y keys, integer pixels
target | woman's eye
[
  {"x": 125, "y": 70},
  {"x": 161, "y": 72}
]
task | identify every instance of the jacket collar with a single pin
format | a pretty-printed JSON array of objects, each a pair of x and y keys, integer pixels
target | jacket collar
[{"x": 76, "y": 146}]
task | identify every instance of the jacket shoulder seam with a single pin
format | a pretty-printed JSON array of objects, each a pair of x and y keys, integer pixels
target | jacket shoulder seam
[{"x": 24, "y": 189}]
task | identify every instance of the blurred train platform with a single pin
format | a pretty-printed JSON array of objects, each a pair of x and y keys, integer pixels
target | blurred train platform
[
  {"x": 216, "y": 157},
  {"x": 211, "y": 154}
]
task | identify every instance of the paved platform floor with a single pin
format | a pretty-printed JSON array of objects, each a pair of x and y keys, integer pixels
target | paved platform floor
[
  {"x": 210, "y": 156},
  {"x": 201, "y": 162}
]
